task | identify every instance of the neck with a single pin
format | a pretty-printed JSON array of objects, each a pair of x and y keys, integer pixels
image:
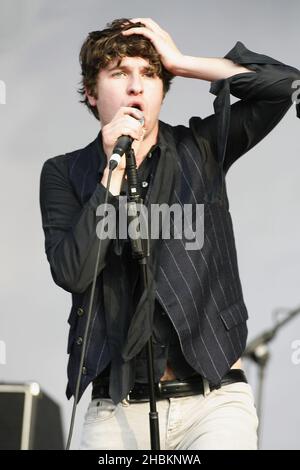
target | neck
[{"x": 141, "y": 149}]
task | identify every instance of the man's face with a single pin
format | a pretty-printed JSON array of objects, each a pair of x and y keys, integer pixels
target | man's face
[{"x": 132, "y": 82}]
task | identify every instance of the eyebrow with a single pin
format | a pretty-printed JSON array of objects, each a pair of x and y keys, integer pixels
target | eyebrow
[{"x": 126, "y": 67}]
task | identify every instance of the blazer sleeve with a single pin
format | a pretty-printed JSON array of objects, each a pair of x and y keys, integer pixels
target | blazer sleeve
[
  {"x": 71, "y": 241},
  {"x": 266, "y": 93}
]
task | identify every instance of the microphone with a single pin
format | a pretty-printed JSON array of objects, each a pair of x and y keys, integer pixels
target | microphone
[{"x": 122, "y": 146}]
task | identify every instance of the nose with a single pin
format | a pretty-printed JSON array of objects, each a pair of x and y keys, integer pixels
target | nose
[{"x": 135, "y": 85}]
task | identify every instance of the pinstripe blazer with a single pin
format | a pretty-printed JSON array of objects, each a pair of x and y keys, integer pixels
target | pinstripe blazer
[{"x": 200, "y": 290}]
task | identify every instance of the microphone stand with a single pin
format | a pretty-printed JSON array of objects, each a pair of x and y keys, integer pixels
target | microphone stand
[
  {"x": 258, "y": 351},
  {"x": 141, "y": 251}
]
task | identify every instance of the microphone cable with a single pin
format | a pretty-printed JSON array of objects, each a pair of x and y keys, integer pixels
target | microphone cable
[{"x": 88, "y": 320}]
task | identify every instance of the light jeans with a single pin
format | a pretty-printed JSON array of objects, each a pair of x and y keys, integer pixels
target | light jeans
[{"x": 225, "y": 418}]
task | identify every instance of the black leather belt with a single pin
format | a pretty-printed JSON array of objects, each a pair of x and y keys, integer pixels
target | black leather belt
[{"x": 169, "y": 388}]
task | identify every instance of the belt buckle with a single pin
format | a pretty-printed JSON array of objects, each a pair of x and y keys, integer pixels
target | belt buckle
[
  {"x": 159, "y": 390},
  {"x": 126, "y": 401}
]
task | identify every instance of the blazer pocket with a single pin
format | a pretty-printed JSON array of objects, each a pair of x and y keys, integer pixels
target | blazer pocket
[{"x": 234, "y": 314}]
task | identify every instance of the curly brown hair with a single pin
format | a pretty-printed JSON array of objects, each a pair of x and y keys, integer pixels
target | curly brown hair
[{"x": 101, "y": 47}]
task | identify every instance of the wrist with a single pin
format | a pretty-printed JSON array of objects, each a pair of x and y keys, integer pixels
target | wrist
[
  {"x": 115, "y": 182},
  {"x": 181, "y": 67}
]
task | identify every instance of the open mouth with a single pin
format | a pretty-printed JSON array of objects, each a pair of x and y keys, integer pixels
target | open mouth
[{"x": 137, "y": 106}]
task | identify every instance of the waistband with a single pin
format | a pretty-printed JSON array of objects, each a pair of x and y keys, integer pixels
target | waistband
[{"x": 169, "y": 388}]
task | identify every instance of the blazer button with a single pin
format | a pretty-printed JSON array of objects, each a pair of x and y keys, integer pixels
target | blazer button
[
  {"x": 84, "y": 371},
  {"x": 79, "y": 340},
  {"x": 80, "y": 311}
]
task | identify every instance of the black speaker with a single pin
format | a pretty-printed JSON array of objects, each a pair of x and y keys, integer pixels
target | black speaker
[{"x": 29, "y": 419}]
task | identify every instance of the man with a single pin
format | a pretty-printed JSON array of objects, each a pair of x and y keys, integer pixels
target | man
[{"x": 198, "y": 316}]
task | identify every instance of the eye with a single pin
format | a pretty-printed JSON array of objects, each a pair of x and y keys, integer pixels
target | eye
[
  {"x": 150, "y": 74},
  {"x": 117, "y": 73}
]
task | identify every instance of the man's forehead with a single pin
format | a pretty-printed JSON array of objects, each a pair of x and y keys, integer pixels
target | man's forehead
[{"x": 128, "y": 62}]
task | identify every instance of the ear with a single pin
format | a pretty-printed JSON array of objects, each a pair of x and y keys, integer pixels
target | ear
[{"x": 91, "y": 99}]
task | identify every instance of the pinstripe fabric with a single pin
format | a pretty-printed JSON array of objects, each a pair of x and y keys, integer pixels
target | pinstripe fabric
[{"x": 200, "y": 290}]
